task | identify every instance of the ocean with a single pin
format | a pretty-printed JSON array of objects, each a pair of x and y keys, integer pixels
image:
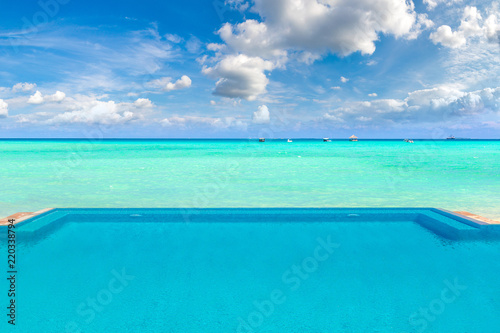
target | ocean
[{"x": 454, "y": 175}]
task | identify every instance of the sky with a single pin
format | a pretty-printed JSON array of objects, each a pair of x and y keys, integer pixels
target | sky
[{"x": 247, "y": 69}]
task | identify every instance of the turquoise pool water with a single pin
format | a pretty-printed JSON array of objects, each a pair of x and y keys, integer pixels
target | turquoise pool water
[
  {"x": 455, "y": 175},
  {"x": 260, "y": 270}
]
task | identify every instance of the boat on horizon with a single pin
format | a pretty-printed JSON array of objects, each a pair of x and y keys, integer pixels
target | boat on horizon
[
  {"x": 262, "y": 140},
  {"x": 289, "y": 140},
  {"x": 451, "y": 137},
  {"x": 353, "y": 138},
  {"x": 326, "y": 140}
]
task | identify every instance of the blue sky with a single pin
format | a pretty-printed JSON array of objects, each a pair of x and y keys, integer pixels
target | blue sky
[{"x": 237, "y": 68}]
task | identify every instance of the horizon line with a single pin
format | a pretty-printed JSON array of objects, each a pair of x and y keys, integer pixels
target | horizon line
[{"x": 252, "y": 138}]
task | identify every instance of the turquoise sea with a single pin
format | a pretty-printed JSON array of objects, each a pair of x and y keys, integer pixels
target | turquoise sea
[{"x": 454, "y": 175}]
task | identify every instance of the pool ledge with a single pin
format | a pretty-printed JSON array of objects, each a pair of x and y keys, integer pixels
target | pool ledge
[
  {"x": 20, "y": 217},
  {"x": 476, "y": 217},
  {"x": 444, "y": 223}
]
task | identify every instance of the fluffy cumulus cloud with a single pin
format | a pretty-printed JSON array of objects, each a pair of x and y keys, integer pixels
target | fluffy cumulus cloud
[
  {"x": 304, "y": 30},
  {"x": 472, "y": 26},
  {"x": 98, "y": 113},
  {"x": 261, "y": 116},
  {"x": 23, "y": 86},
  {"x": 38, "y": 98},
  {"x": 166, "y": 84},
  {"x": 183, "y": 82},
  {"x": 59, "y": 96},
  {"x": 90, "y": 110},
  {"x": 446, "y": 37},
  {"x": 240, "y": 76},
  {"x": 252, "y": 38},
  {"x": 143, "y": 103},
  {"x": 438, "y": 104},
  {"x": 4, "y": 109},
  {"x": 300, "y": 25}
]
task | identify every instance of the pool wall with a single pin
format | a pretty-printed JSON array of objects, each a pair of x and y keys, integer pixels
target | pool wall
[{"x": 441, "y": 222}]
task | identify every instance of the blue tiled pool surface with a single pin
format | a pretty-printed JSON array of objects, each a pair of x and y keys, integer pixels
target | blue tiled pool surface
[{"x": 255, "y": 270}]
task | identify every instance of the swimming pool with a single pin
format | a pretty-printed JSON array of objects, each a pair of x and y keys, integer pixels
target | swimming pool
[{"x": 254, "y": 270}]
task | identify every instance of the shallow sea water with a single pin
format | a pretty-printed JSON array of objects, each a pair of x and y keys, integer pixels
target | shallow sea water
[{"x": 454, "y": 175}]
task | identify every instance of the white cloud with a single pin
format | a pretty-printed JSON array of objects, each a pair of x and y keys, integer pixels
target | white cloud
[
  {"x": 4, "y": 109},
  {"x": 373, "y": 95},
  {"x": 472, "y": 26},
  {"x": 183, "y": 82},
  {"x": 491, "y": 26},
  {"x": 252, "y": 38},
  {"x": 451, "y": 101},
  {"x": 36, "y": 98},
  {"x": 213, "y": 103},
  {"x": 439, "y": 104},
  {"x": 143, "y": 103},
  {"x": 23, "y": 86},
  {"x": 240, "y": 76},
  {"x": 99, "y": 113},
  {"x": 261, "y": 116},
  {"x": 344, "y": 79},
  {"x": 434, "y": 97},
  {"x": 446, "y": 37},
  {"x": 57, "y": 97},
  {"x": 336, "y": 88},
  {"x": 166, "y": 84},
  {"x": 89, "y": 110},
  {"x": 303, "y": 30},
  {"x": 300, "y": 25}
]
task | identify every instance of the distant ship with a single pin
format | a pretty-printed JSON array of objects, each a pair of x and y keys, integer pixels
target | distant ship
[
  {"x": 353, "y": 138},
  {"x": 326, "y": 140},
  {"x": 289, "y": 140},
  {"x": 262, "y": 140},
  {"x": 451, "y": 137}
]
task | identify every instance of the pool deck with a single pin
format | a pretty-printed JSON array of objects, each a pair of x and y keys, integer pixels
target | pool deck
[
  {"x": 478, "y": 217},
  {"x": 19, "y": 217}
]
